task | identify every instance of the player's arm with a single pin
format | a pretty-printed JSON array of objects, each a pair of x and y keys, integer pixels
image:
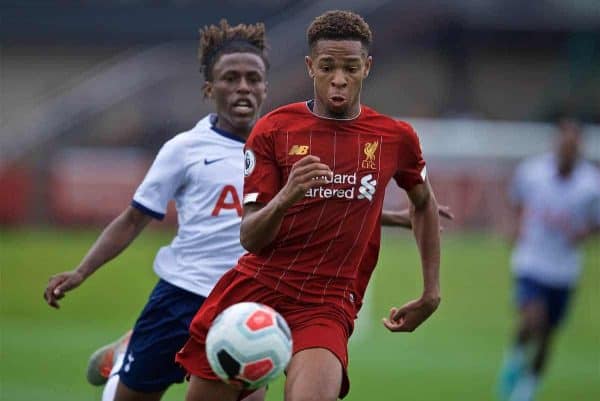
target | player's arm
[
  {"x": 426, "y": 228},
  {"x": 514, "y": 228},
  {"x": 402, "y": 218},
  {"x": 591, "y": 225},
  {"x": 164, "y": 178},
  {"x": 261, "y": 222},
  {"x": 114, "y": 239},
  {"x": 519, "y": 190}
]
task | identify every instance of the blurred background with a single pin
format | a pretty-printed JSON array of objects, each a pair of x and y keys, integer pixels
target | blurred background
[{"x": 89, "y": 90}]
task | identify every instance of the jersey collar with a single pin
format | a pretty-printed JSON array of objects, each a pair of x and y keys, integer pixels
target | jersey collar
[
  {"x": 213, "y": 121},
  {"x": 310, "y": 104}
]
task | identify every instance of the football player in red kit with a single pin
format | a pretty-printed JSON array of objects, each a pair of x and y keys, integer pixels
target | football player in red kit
[{"x": 316, "y": 173}]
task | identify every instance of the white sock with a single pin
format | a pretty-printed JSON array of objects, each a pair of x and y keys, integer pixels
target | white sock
[
  {"x": 119, "y": 358},
  {"x": 110, "y": 388},
  {"x": 525, "y": 388}
]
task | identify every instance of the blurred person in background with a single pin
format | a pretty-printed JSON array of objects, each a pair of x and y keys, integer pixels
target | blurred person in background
[{"x": 557, "y": 202}]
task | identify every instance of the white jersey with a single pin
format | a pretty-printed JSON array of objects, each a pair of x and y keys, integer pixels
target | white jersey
[
  {"x": 203, "y": 171},
  {"x": 554, "y": 209}
]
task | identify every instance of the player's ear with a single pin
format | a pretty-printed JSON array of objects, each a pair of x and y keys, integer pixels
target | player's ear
[
  {"x": 207, "y": 89},
  {"x": 309, "y": 66},
  {"x": 368, "y": 64}
]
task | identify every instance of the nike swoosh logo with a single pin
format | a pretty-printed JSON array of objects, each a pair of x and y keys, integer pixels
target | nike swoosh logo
[{"x": 207, "y": 162}]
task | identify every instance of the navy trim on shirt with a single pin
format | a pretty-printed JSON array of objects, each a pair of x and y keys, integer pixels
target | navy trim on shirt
[
  {"x": 146, "y": 211},
  {"x": 228, "y": 134}
]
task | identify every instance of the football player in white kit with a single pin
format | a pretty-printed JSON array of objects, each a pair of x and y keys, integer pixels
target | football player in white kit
[
  {"x": 557, "y": 197},
  {"x": 202, "y": 170}
]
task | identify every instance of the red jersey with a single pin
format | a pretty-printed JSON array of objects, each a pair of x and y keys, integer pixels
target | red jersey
[{"x": 323, "y": 238}]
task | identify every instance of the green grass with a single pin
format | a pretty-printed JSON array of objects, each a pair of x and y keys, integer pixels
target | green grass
[{"x": 454, "y": 356}]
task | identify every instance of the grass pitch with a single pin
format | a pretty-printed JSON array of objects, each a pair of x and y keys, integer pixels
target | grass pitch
[{"x": 454, "y": 356}]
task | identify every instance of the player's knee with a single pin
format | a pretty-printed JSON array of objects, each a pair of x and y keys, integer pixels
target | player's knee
[
  {"x": 533, "y": 326},
  {"x": 540, "y": 327}
]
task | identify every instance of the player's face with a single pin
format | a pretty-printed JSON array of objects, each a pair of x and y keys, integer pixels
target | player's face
[
  {"x": 238, "y": 88},
  {"x": 338, "y": 68}
]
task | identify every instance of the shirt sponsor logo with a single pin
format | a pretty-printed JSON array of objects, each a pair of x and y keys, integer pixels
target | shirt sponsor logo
[
  {"x": 366, "y": 188},
  {"x": 369, "y": 151},
  {"x": 298, "y": 150}
]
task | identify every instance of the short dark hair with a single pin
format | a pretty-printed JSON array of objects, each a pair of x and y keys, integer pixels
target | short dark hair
[
  {"x": 225, "y": 39},
  {"x": 339, "y": 25}
]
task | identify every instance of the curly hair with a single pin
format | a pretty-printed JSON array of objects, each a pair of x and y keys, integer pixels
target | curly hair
[
  {"x": 225, "y": 39},
  {"x": 339, "y": 25}
]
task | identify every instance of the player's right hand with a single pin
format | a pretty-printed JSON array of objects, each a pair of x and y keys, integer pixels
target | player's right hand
[
  {"x": 59, "y": 284},
  {"x": 305, "y": 174}
]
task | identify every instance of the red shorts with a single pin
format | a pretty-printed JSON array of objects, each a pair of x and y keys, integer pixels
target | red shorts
[{"x": 312, "y": 325}]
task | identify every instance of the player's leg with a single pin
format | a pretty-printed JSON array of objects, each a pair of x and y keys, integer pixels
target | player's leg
[
  {"x": 258, "y": 395},
  {"x": 110, "y": 388},
  {"x": 200, "y": 389},
  {"x": 557, "y": 302},
  {"x": 518, "y": 357},
  {"x": 204, "y": 385},
  {"x": 313, "y": 374},
  {"x": 124, "y": 393},
  {"x": 149, "y": 367},
  {"x": 533, "y": 326},
  {"x": 540, "y": 317},
  {"x": 105, "y": 360},
  {"x": 318, "y": 368}
]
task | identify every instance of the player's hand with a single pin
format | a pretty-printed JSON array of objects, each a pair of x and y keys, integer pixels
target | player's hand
[
  {"x": 411, "y": 315},
  {"x": 59, "y": 284},
  {"x": 444, "y": 211},
  {"x": 305, "y": 174}
]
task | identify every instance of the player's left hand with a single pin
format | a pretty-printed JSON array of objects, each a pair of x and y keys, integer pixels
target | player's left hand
[
  {"x": 410, "y": 316},
  {"x": 445, "y": 212}
]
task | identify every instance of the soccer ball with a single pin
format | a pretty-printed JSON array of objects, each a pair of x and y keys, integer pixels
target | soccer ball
[{"x": 248, "y": 345}]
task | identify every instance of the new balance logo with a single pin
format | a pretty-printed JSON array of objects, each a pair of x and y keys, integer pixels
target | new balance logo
[
  {"x": 367, "y": 187},
  {"x": 299, "y": 150}
]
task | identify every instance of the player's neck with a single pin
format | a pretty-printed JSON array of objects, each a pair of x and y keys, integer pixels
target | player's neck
[
  {"x": 223, "y": 126},
  {"x": 320, "y": 110}
]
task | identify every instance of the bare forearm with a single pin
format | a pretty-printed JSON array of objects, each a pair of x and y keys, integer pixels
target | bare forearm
[
  {"x": 114, "y": 239},
  {"x": 396, "y": 219},
  {"x": 260, "y": 227},
  {"x": 426, "y": 229}
]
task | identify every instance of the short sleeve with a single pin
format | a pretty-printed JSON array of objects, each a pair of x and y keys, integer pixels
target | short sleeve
[
  {"x": 261, "y": 172},
  {"x": 411, "y": 165},
  {"x": 163, "y": 179}
]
